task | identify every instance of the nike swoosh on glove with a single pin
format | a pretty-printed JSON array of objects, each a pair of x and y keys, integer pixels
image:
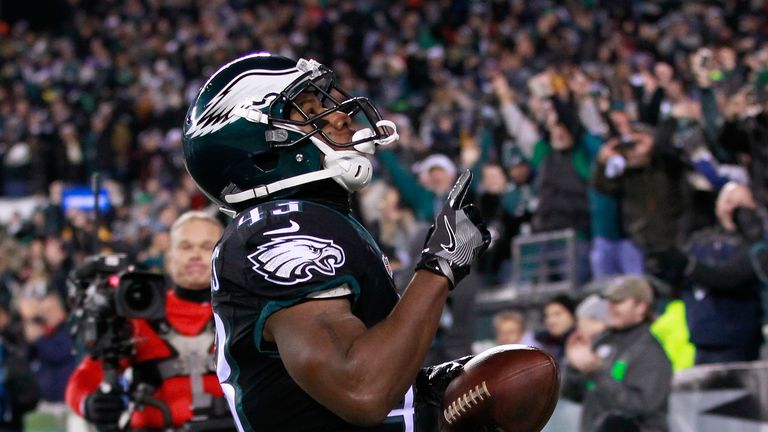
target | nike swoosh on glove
[{"x": 457, "y": 237}]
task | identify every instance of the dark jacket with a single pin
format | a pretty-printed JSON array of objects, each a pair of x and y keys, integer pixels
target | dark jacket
[
  {"x": 553, "y": 345},
  {"x": 53, "y": 362},
  {"x": 722, "y": 295},
  {"x": 632, "y": 387},
  {"x": 651, "y": 200},
  {"x": 562, "y": 195},
  {"x": 749, "y": 136},
  {"x": 19, "y": 392}
]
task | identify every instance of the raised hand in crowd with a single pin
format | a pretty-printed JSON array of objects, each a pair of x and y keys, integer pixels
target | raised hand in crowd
[
  {"x": 502, "y": 90},
  {"x": 702, "y": 64}
]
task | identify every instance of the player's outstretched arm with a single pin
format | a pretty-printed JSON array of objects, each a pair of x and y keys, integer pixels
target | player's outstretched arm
[{"x": 361, "y": 373}]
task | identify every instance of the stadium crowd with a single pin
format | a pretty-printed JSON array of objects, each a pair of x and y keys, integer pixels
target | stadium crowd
[{"x": 620, "y": 120}]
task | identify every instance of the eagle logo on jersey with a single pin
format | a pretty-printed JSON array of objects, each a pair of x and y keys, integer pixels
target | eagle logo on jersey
[{"x": 289, "y": 260}]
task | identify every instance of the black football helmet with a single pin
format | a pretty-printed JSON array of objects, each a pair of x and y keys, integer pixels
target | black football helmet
[{"x": 241, "y": 146}]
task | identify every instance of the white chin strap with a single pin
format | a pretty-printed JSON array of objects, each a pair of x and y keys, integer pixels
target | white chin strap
[
  {"x": 349, "y": 168},
  {"x": 355, "y": 170}
]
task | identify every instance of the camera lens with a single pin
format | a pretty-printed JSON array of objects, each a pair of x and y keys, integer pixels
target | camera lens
[{"x": 138, "y": 296}]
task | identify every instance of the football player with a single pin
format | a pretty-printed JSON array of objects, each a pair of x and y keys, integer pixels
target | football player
[{"x": 311, "y": 334}]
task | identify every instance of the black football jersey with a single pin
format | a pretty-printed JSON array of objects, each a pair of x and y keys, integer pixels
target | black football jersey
[{"x": 271, "y": 257}]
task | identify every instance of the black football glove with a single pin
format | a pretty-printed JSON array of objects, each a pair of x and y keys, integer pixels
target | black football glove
[
  {"x": 432, "y": 381},
  {"x": 104, "y": 408},
  {"x": 457, "y": 237}
]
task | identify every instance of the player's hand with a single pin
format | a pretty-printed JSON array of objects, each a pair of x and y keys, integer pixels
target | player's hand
[
  {"x": 457, "y": 237},
  {"x": 432, "y": 381},
  {"x": 103, "y": 408}
]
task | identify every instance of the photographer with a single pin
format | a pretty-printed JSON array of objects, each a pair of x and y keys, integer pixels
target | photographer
[
  {"x": 646, "y": 175},
  {"x": 722, "y": 288},
  {"x": 173, "y": 368}
]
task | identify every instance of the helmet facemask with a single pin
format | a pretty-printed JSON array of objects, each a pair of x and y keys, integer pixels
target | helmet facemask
[
  {"x": 343, "y": 160},
  {"x": 366, "y": 120}
]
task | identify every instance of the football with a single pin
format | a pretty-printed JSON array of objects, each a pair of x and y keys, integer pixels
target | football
[{"x": 510, "y": 388}]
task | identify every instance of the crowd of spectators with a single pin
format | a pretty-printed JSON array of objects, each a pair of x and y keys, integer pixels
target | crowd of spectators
[{"x": 620, "y": 120}]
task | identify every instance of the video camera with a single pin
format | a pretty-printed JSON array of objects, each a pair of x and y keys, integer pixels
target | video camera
[{"x": 104, "y": 292}]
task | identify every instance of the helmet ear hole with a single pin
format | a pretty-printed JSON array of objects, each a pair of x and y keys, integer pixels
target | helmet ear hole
[{"x": 265, "y": 161}]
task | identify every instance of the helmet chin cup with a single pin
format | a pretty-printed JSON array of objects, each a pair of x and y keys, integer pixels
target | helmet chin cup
[
  {"x": 369, "y": 147},
  {"x": 392, "y": 137},
  {"x": 356, "y": 169}
]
